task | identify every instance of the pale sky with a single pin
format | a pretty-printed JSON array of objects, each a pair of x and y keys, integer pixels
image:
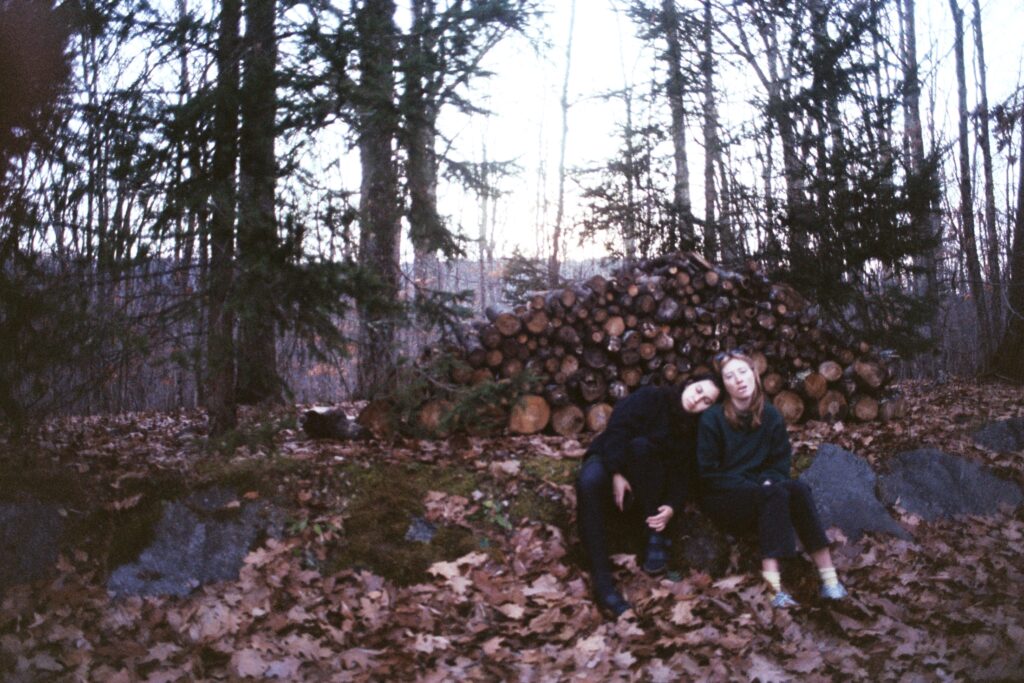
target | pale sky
[{"x": 526, "y": 121}]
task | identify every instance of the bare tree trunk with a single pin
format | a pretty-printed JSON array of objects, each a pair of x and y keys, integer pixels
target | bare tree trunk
[
  {"x": 485, "y": 193},
  {"x": 926, "y": 218},
  {"x": 681, "y": 204},
  {"x": 992, "y": 241},
  {"x": 554, "y": 265},
  {"x": 426, "y": 231},
  {"x": 629, "y": 239},
  {"x": 1008, "y": 359},
  {"x": 714, "y": 237},
  {"x": 970, "y": 245},
  {"x": 258, "y": 248},
  {"x": 379, "y": 208},
  {"x": 220, "y": 391}
]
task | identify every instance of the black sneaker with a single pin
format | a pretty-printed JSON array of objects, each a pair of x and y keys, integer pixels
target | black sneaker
[{"x": 656, "y": 555}]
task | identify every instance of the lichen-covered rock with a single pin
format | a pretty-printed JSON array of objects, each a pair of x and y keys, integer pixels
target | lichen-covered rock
[
  {"x": 30, "y": 535},
  {"x": 1004, "y": 435},
  {"x": 198, "y": 540},
  {"x": 933, "y": 484},
  {"x": 844, "y": 491}
]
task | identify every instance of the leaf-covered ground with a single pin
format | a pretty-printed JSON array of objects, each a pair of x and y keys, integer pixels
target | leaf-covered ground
[{"x": 499, "y": 593}]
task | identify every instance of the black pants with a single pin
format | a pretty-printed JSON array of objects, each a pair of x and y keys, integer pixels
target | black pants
[
  {"x": 595, "y": 502},
  {"x": 777, "y": 512}
]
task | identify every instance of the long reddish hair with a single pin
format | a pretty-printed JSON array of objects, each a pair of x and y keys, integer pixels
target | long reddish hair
[{"x": 732, "y": 416}]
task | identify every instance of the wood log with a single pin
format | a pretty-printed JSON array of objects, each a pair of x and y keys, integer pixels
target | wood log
[
  {"x": 506, "y": 321},
  {"x": 892, "y": 408},
  {"x": 615, "y": 326},
  {"x": 323, "y": 422},
  {"x": 831, "y": 370},
  {"x": 814, "y": 385},
  {"x": 569, "y": 364},
  {"x": 511, "y": 367},
  {"x": 567, "y": 420},
  {"x": 530, "y": 415},
  {"x": 431, "y": 417},
  {"x": 617, "y": 391},
  {"x": 790, "y": 405},
  {"x": 482, "y": 375},
  {"x": 832, "y": 406},
  {"x": 378, "y": 418},
  {"x": 536, "y": 321},
  {"x": 597, "y": 416},
  {"x": 494, "y": 358},
  {"x": 591, "y": 385},
  {"x": 490, "y": 337},
  {"x": 869, "y": 374},
  {"x": 594, "y": 357},
  {"x": 631, "y": 376},
  {"x": 864, "y": 408},
  {"x": 772, "y": 383}
]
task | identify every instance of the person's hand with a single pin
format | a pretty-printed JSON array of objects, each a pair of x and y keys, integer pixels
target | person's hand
[
  {"x": 659, "y": 521},
  {"x": 619, "y": 488}
]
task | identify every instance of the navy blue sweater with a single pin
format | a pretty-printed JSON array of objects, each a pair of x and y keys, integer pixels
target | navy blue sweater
[
  {"x": 729, "y": 458},
  {"x": 652, "y": 423}
]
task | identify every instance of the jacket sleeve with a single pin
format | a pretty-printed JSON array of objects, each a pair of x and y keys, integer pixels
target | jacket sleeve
[
  {"x": 780, "y": 453},
  {"x": 624, "y": 434}
]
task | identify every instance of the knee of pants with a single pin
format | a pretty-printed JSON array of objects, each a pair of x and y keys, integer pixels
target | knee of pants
[
  {"x": 778, "y": 491},
  {"x": 591, "y": 480}
]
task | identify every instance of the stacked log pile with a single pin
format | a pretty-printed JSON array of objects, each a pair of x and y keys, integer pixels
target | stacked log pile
[{"x": 591, "y": 343}]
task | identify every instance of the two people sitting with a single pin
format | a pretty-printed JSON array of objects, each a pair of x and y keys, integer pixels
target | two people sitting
[{"x": 664, "y": 446}]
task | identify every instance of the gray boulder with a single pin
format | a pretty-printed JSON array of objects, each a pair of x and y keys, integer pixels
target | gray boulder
[
  {"x": 844, "y": 491},
  {"x": 29, "y": 541},
  {"x": 933, "y": 484},
  {"x": 201, "y": 539},
  {"x": 1004, "y": 436}
]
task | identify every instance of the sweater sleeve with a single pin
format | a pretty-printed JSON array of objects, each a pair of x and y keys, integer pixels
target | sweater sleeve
[
  {"x": 714, "y": 474},
  {"x": 780, "y": 454},
  {"x": 623, "y": 435}
]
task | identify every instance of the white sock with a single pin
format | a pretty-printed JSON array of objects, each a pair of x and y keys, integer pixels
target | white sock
[{"x": 828, "y": 576}]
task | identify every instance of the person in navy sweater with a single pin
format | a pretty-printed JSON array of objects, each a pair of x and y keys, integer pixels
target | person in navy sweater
[
  {"x": 743, "y": 456},
  {"x": 643, "y": 461}
]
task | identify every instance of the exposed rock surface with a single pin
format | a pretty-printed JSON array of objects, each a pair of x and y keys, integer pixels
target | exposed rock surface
[
  {"x": 932, "y": 484},
  {"x": 1003, "y": 436},
  {"x": 200, "y": 539},
  {"x": 30, "y": 535},
  {"x": 844, "y": 490}
]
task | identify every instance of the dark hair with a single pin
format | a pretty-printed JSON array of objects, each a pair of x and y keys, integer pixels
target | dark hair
[{"x": 756, "y": 401}]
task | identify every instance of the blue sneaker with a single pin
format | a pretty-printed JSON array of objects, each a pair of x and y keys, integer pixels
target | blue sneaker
[
  {"x": 612, "y": 604},
  {"x": 784, "y": 600},
  {"x": 834, "y": 592}
]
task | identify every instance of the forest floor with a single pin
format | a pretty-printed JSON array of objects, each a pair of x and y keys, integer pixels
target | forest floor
[{"x": 499, "y": 593}]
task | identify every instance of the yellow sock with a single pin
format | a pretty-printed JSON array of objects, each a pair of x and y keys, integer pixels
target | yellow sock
[{"x": 774, "y": 580}]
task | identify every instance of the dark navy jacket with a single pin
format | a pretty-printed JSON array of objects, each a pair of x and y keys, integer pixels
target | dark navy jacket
[{"x": 652, "y": 423}]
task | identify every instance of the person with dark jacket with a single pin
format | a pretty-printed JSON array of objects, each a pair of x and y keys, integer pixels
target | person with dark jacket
[
  {"x": 643, "y": 460},
  {"x": 743, "y": 455}
]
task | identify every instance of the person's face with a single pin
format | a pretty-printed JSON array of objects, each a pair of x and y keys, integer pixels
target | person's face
[
  {"x": 738, "y": 378},
  {"x": 699, "y": 396}
]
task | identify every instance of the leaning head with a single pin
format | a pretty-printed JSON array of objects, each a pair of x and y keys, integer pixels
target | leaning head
[{"x": 700, "y": 393}]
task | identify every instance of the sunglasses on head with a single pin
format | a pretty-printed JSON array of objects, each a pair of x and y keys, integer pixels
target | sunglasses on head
[{"x": 732, "y": 353}]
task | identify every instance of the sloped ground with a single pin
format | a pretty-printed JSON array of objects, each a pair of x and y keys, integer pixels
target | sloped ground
[{"x": 498, "y": 594}]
